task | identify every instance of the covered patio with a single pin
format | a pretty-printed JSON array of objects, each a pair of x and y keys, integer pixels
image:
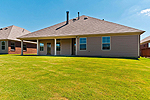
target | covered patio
[{"x": 54, "y": 46}]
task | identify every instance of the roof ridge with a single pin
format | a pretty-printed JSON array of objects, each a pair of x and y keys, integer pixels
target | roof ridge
[
  {"x": 51, "y": 26},
  {"x": 10, "y": 31},
  {"x": 83, "y": 26},
  {"x": 89, "y": 17},
  {"x": 116, "y": 23},
  {"x": 18, "y": 28}
]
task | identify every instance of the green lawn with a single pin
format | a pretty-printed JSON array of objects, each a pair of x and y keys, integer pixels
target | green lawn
[{"x": 46, "y": 77}]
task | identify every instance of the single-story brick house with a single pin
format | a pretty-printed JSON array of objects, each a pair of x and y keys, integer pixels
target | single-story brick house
[
  {"x": 9, "y": 44},
  {"x": 145, "y": 47},
  {"x": 87, "y": 36}
]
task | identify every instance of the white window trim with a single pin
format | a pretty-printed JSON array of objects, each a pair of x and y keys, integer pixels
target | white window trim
[
  {"x": 102, "y": 43},
  {"x": 2, "y": 45},
  {"x": 60, "y": 46},
  {"x": 14, "y": 44},
  {"x": 43, "y": 48},
  {"x": 149, "y": 45},
  {"x": 82, "y": 43}
]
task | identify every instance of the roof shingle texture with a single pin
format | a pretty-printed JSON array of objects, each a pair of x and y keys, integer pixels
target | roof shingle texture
[
  {"x": 147, "y": 39},
  {"x": 12, "y": 32},
  {"x": 81, "y": 27}
]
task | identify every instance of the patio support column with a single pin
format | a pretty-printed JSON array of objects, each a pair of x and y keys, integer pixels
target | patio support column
[
  {"x": 55, "y": 47},
  {"x": 21, "y": 47},
  {"x": 76, "y": 45},
  {"x": 37, "y": 47}
]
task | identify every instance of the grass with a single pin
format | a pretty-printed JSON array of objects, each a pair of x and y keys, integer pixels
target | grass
[{"x": 47, "y": 77}]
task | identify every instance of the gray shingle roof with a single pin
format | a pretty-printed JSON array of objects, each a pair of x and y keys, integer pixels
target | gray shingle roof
[
  {"x": 12, "y": 32},
  {"x": 89, "y": 26},
  {"x": 145, "y": 40}
]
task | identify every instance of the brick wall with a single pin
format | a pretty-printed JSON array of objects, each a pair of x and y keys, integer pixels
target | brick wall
[
  {"x": 144, "y": 46},
  {"x": 31, "y": 48},
  {"x": 144, "y": 50}
]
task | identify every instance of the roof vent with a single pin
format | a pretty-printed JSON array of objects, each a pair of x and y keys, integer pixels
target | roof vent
[
  {"x": 85, "y": 18},
  {"x": 102, "y": 19},
  {"x": 78, "y": 16},
  {"x": 23, "y": 30},
  {"x": 74, "y": 20},
  {"x": 6, "y": 28},
  {"x": 67, "y": 21},
  {"x": 1, "y": 29}
]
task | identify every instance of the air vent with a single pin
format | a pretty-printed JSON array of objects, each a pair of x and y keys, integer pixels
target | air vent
[
  {"x": 6, "y": 28},
  {"x": 74, "y": 20},
  {"x": 85, "y": 18}
]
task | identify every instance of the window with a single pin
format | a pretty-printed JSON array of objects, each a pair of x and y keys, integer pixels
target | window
[
  {"x": 82, "y": 43},
  {"x": 148, "y": 45},
  {"x": 106, "y": 43},
  {"x": 41, "y": 46},
  {"x": 13, "y": 46},
  {"x": 58, "y": 45},
  {"x": 3, "y": 45},
  {"x": 24, "y": 47}
]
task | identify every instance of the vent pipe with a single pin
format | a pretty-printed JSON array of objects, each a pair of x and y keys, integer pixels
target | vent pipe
[
  {"x": 67, "y": 17},
  {"x": 78, "y": 16}
]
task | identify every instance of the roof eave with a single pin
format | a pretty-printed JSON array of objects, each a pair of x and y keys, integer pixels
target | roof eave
[
  {"x": 74, "y": 36},
  {"x": 4, "y": 39},
  {"x": 145, "y": 42},
  {"x": 142, "y": 32}
]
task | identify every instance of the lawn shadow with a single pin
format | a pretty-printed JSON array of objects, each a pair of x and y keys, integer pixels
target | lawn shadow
[
  {"x": 133, "y": 58},
  {"x": 3, "y": 53}
]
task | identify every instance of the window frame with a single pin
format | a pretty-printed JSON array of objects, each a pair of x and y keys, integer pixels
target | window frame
[
  {"x": 149, "y": 45},
  {"x": 3, "y": 45},
  {"x": 82, "y": 43},
  {"x": 14, "y": 46},
  {"x": 105, "y": 43},
  {"x": 25, "y": 45},
  {"x": 58, "y": 40},
  {"x": 42, "y": 46}
]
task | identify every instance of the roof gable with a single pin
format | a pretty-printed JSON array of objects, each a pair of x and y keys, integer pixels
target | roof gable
[
  {"x": 145, "y": 40},
  {"x": 4, "y": 32},
  {"x": 12, "y": 32},
  {"x": 89, "y": 26}
]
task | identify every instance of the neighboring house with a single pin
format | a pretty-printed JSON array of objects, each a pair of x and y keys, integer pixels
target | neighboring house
[
  {"x": 9, "y": 44},
  {"x": 145, "y": 47},
  {"x": 87, "y": 36}
]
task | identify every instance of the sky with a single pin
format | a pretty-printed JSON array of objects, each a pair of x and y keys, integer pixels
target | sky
[{"x": 34, "y": 15}]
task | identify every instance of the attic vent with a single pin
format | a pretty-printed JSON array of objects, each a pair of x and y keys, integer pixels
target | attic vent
[
  {"x": 1, "y": 29},
  {"x": 85, "y": 18},
  {"x": 74, "y": 20},
  {"x": 6, "y": 28}
]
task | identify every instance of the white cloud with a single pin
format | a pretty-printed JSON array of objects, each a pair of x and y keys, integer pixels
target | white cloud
[{"x": 146, "y": 12}]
